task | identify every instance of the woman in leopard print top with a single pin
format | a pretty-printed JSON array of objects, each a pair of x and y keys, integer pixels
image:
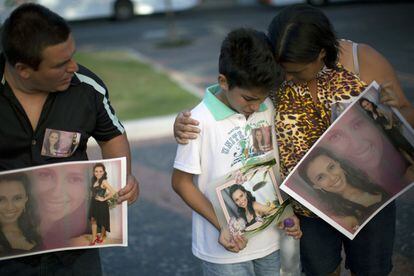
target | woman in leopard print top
[{"x": 320, "y": 72}]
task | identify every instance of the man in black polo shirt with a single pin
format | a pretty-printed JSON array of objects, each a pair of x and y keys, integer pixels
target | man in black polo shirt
[{"x": 43, "y": 90}]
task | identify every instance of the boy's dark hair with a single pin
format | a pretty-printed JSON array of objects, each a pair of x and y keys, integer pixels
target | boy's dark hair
[
  {"x": 28, "y": 30},
  {"x": 246, "y": 60},
  {"x": 298, "y": 34}
]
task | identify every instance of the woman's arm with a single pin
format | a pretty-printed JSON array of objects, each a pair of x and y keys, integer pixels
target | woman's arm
[{"x": 111, "y": 190}]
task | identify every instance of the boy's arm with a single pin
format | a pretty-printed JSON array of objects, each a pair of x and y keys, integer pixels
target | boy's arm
[{"x": 183, "y": 185}]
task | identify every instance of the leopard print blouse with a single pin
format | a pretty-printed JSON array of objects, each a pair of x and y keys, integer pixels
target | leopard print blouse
[{"x": 300, "y": 122}]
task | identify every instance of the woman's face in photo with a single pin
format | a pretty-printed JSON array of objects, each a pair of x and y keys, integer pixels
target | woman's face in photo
[
  {"x": 53, "y": 138},
  {"x": 240, "y": 198},
  {"x": 259, "y": 135},
  {"x": 356, "y": 139},
  {"x": 327, "y": 174},
  {"x": 60, "y": 190},
  {"x": 99, "y": 172},
  {"x": 367, "y": 105},
  {"x": 13, "y": 200}
]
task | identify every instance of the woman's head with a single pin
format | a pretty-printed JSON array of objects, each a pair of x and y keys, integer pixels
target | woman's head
[
  {"x": 323, "y": 172},
  {"x": 303, "y": 41},
  {"x": 239, "y": 195},
  {"x": 367, "y": 105},
  {"x": 52, "y": 141},
  {"x": 61, "y": 190},
  {"x": 258, "y": 134},
  {"x": 13, "y": 197},
  {"x": 99, "y": 173},
  {"x": 17, "y": 205}
]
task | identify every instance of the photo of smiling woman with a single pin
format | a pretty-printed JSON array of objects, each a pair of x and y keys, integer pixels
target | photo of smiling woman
[
  {"x": 51, "y": 144},
  {"x": 99, "y": 208},
  {"x": 18, "y": 218},
  {"x": 345, "y": 191}
]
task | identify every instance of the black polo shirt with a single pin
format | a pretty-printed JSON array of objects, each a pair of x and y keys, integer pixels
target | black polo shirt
[{"x": 83, "y": 108}]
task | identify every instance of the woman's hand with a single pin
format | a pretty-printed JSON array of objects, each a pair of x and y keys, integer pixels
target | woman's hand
[
  {"x": 388, "y": 96},
  {"x": 185, "y": 128},
  {"x": 100, "y": 198},
  {"x": 293, "y": 231}
]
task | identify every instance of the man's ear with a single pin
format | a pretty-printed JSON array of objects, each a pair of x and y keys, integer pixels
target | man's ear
[
  {"x": 222, "y": 81},
  {"x": 23, "y": 70}
]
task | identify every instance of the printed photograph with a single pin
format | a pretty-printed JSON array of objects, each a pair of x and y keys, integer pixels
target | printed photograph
[
  {"x": 62, "y": 206},
  {"x": 262, "y": 140},
  {"x": 58, "y": 143},
  {"x": 355, "y": 169},
  {"x": 250, "y": 199}
]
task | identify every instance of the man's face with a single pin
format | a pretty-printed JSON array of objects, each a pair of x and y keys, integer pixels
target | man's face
[{"x": 56, "y": 69}]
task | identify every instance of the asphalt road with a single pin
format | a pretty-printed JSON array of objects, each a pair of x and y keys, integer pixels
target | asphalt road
[{"x": 160, "y": 224}]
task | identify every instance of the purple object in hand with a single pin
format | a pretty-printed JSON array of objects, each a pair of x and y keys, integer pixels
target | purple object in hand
[{"x": 288, "y": 222}]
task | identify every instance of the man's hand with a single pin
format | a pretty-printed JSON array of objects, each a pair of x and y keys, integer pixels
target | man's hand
[
  {"x": 185, "y": 128},
  {"x": 293, "y": 231},
  {"x": 130, "y": 192}
]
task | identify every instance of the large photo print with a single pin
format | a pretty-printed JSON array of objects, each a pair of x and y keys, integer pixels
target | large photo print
[
  {"x": 361, "y": 163},
  {"x": 62, "y": 206}
]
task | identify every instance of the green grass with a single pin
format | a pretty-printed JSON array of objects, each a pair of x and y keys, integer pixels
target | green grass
[{"x": 136, "y": 90}]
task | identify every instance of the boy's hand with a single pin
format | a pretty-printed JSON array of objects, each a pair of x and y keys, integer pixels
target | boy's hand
[
  {"x": 294, "y": 230},
  {"x": 185, "y": 128},
  {"x": 230, "y": 243}
]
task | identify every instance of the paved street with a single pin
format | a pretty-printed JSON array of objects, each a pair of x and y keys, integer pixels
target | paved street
[{"x": 160, "y": 224}]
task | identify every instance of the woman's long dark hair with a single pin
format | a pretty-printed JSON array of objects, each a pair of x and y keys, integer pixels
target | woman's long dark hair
[
  {"x": 29, "y": 220},
  {"x": 298, "y": 33},
  {"x": 104, "y": 176},
  {"x": 47, "y": 143},
  {"x": 255, "y": 142},
  {"x": 250, "y": 200},
  {"x": 374, "y": 107},
  {"x": 355, "y": 177}
]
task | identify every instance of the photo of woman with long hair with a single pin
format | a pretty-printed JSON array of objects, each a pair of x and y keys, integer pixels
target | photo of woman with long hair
[
  {"x": 390, "y": 127},
  {"x": 344, "y": 190},
  {"x": 99, "y": 208},
  {"x": 51, "y": 144},
  {"x": 18, "y": 218},
  {"x": 261, "y": 140},
  {"x": 248, "y": 208}
]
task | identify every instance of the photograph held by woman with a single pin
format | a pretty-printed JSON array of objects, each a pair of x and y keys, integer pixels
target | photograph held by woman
[
  {"x": 19, "y": 221},
  {"x": 344, "y": 191},
  {"x": 391, "y": 127}
]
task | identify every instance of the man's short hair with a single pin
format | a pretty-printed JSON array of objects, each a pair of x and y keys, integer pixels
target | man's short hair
[
  {"x": 28, "y": 30},
  {"x": 246, "y": 60}
]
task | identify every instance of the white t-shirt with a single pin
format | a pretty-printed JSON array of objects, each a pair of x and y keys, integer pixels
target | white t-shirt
[{"x": 221, "y": 147}]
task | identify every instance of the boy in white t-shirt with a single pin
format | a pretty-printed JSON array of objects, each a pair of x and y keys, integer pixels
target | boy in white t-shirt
[{"x": 227, "y": 115}]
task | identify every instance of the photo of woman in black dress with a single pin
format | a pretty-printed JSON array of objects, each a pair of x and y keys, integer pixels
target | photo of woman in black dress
[{"x": 99, "y": 208}]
